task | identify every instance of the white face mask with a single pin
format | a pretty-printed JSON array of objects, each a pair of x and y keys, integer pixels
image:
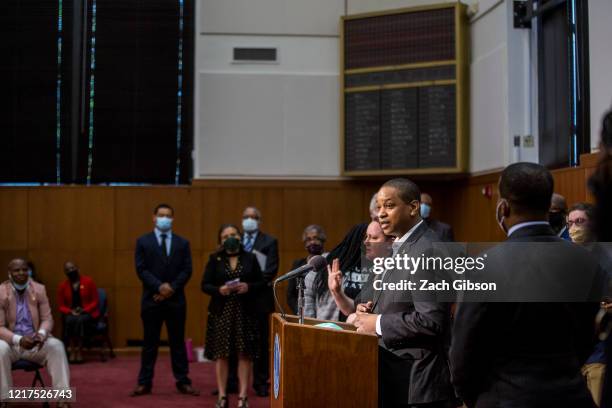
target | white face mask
[
  {"x": 500, "y": 220},
  {"x": 250, "y": 224}
]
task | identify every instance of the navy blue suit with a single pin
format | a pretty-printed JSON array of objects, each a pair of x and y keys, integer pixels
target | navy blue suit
[{"x": 153, "y": 270}]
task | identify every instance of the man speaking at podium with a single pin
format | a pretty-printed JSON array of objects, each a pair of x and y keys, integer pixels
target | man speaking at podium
[{"x": 413, "y": 335}]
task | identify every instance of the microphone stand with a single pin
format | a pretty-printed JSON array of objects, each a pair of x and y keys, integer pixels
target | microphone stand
[{"x": 300, "y": 288}]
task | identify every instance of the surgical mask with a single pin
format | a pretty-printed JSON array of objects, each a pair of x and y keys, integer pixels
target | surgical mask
[
  {"x": 425, "y": 210},
  {"x": 579, "y": 235},
  {"x": 500, "y": 220},
  {"x": 231, "y": 244},
  {"x": 163, "y": 223},
  {"x": 18, "y": 286},
  {"x": 314, "y": 249},
  {"x": 250, "y": 224},
  {"x": 556, "y": 220}
]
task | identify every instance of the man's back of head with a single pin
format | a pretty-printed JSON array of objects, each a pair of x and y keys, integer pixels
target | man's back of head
[{"x": 528, "y": 187}]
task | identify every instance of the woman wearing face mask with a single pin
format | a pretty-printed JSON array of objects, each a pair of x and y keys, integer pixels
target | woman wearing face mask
[
  {"x": 580, "y": 221},
  {"x": 78, "y": 301},
  {"x": 377, "y": 245},
  {"x": 314, "y": 238},
  {"x": 232, "y": 278}
]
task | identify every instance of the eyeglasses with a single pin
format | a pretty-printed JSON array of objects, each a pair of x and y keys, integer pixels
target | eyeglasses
[{"x": 577, "y": 221}]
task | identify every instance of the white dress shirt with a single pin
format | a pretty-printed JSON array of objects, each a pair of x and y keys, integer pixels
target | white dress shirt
[
  {"x": 168, "y": 233},
  {"x": 518, "y": 226}
]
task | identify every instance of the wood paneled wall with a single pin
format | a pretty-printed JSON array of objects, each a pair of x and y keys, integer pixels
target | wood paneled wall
[
  {"x": 472, "y": 214},
  {"x": 97, "y": 227}
]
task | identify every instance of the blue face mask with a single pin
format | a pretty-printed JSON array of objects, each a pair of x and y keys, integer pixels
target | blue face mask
[
  {"x": 163, "y": 223},
  {"x": 250, "y": 224},
  {"x": 425, "y": 210},
  {"x": 18, "y": 286}
]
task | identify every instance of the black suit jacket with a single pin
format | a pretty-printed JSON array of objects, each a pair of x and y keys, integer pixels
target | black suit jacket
[
  {"x": 153, "y": 269},
  {"x": 415, "y": 334},
  {"x": 215, "y": 276},
  {"x": 267, "y": 245},
  {"x": 525, "y": 354},
  {"x": 444, "y": 231}
]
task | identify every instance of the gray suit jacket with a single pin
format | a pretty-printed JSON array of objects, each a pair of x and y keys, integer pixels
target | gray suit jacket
[{"x": 415, "y": 334}]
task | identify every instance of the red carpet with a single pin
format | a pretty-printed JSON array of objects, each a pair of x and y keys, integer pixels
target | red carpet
[{"x": 109, "y": 385}]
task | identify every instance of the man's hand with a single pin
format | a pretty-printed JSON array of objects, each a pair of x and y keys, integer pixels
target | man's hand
[
  {"x": 27, "y": 343},
  {"x": 158, "y": 298},
  {"x": 334, "y": 277},
  {"x": 40, "y": 339},
  {"x": 241, "y": 288},
  {"x": 166, "y": 290},
  {"x": 75, "y": 312},
  {"x": 365, "y": 307},
  {"x": 366, "y": 323},
  {"x": 225, "y": 290}
]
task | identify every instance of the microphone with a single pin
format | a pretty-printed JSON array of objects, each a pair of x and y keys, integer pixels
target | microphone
[{"x": 316, "y": 263}]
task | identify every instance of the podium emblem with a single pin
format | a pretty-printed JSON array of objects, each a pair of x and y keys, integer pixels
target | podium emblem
[{"x": 277, "y": 368}]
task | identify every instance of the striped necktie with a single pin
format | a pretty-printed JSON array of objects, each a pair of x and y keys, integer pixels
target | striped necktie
[{"x": 248, "y": 244}]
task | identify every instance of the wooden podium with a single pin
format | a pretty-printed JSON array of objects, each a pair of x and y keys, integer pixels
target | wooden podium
[{"x": 319, "y": 367}]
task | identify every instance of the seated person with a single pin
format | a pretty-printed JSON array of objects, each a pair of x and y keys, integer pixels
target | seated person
[
  {"x": 25, "y": 329},
  {"x": 77, "y": 298}
]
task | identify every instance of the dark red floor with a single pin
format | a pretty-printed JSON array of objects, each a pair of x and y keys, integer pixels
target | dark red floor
[{"x": 109, "y": 385}]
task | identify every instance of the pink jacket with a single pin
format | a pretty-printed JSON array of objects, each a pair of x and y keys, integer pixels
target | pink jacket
[{"x": 37, "y": 302}]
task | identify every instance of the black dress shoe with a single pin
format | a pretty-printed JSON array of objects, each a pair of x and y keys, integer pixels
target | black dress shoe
[
  {"x": 262, "y": 391},
  {"x": 187, "y": 389},
  {"x": 141, "y": 390}
]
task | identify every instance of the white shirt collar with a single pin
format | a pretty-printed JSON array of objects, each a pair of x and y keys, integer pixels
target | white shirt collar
[
  {"x": 158, "y": 234},
  {"x": 399, "y": 241},
  {"x": 518, "y": 226},
  {"x": 562, "y": 231}
]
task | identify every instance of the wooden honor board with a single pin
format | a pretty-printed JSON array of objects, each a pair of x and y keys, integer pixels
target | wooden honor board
[{"x": 404, "y": 92}]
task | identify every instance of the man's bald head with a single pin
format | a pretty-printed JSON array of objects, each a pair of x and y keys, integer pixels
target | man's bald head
[
  {"x": 18, "y": 271},
  {"x": 426, "y": 199},
  {"x": 17, "y": 262},
  {"x": 558, "y": 203}
]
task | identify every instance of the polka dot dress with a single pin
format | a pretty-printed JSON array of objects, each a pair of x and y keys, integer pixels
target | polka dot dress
[{"x": 234, "y": 329}]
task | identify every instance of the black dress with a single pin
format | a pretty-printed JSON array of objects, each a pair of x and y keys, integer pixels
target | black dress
[
  {"x": 232, "y": 329},
  {"x": 79, "y": 325}
]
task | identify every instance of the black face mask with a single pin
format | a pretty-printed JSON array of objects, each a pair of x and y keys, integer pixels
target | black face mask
[
  {"x": 556, "y": 220},
  {"x": 73, "y": 276},
  {"x": 232, "y": 244},
  {"x": 315, "y": 249}
]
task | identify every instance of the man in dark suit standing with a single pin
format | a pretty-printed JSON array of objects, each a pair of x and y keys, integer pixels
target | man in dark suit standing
[
  {"x": 444, "y": 231},
  {"x": 163, "y": 264},
  {"x": 526, "y": 354},
  {"x": 266, "y": 246},
  {"x": 413, "y": 329}
]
